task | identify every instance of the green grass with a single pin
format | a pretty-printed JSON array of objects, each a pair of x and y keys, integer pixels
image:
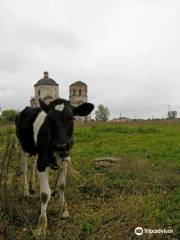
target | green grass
[{"x": 142, "y": 189}]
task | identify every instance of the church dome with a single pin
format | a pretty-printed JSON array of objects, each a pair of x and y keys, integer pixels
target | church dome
[
  {"x": 46, "y": 81},
  {"x": 78, "y": 83}
]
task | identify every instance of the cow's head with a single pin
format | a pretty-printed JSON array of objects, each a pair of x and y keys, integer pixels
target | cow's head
[{"x": 60, "y": 120}]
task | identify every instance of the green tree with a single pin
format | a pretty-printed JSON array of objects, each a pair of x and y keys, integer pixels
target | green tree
[
  {"x": 9, "y": 115},
  {"x": 102, "y": 113}
]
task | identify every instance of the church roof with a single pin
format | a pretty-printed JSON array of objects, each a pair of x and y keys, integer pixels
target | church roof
[
  {"x": 78, "y": 83},
  {"x": 46, "y": 81}
]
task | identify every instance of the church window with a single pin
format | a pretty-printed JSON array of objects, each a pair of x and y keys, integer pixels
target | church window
[{"x": 80, "y": 92}]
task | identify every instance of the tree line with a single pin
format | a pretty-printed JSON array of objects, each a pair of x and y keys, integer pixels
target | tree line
[
  {"x": 101, "y": 114},
  {"x": 8, "y": 115}
]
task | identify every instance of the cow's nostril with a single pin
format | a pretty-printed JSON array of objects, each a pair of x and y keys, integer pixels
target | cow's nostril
[{"x": 61, "y": 145}]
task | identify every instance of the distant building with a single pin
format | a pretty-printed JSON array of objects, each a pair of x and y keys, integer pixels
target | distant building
[
  {"x": 48, "y": 89},
  {"x": 78, "y": 95}
]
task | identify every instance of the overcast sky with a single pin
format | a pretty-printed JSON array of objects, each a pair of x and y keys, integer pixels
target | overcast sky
[{"x": 127, "y": 51}]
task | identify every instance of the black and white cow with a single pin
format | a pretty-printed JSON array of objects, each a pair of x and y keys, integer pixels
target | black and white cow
[{"x": 48, "y": 132}]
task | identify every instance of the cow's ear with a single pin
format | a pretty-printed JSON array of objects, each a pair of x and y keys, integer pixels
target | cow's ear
[
  {"x": 44, "y": 106},
  {"x": 83, "y": 109}
]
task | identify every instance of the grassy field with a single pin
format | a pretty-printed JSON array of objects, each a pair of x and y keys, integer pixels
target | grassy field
[{"x": 141, "y": 188}]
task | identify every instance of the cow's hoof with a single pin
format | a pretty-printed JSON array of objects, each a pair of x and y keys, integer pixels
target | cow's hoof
[
  {"x": 65, "y": 214},
  {"x": 41, "y": 227},
  {"x": 26, "y": 194},
  {"x": 39, "y": 232}
]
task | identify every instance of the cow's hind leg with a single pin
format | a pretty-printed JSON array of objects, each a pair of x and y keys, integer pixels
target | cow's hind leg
[
  {"x": 45, "y": 194},
  {"x": 24, "y": 165},
  {"x": 33, "y": 173},
  {"x": 61, "y": 183}
]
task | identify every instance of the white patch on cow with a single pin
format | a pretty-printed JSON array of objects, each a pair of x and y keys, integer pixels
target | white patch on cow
[
  {"x": 59, "y": 107},
  {"x": 44, "y": 183},
  {"x": 61, "y": 183},
  {"x": 38, "y": 123},
  {"x": 45, "y": 194}
]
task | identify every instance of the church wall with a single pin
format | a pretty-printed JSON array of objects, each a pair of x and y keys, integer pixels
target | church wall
[
  {"x": 43, "y": 91},
  {"x": 77, "y": 94}
]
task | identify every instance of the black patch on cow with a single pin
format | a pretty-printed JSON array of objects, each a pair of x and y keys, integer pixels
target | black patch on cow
[
  {"x": 62, "y": 187},
  {"x": 24, "y": 129},
  {"x": 44, "y": 197}
]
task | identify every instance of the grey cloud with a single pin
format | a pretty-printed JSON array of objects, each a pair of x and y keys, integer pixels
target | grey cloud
[{"x": 128, "y": 52}]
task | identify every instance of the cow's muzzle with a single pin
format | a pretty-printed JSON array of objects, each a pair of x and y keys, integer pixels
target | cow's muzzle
[
  {"x": 63, "y": 146},
  {"x": 63, "y": 154}
]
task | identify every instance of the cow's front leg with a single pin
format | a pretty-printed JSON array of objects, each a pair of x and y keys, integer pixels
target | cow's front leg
[
  {"x": 61, "y": 183},
  {"x": 24, "y": 165},
  {"x": 45, "y": 194}
]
